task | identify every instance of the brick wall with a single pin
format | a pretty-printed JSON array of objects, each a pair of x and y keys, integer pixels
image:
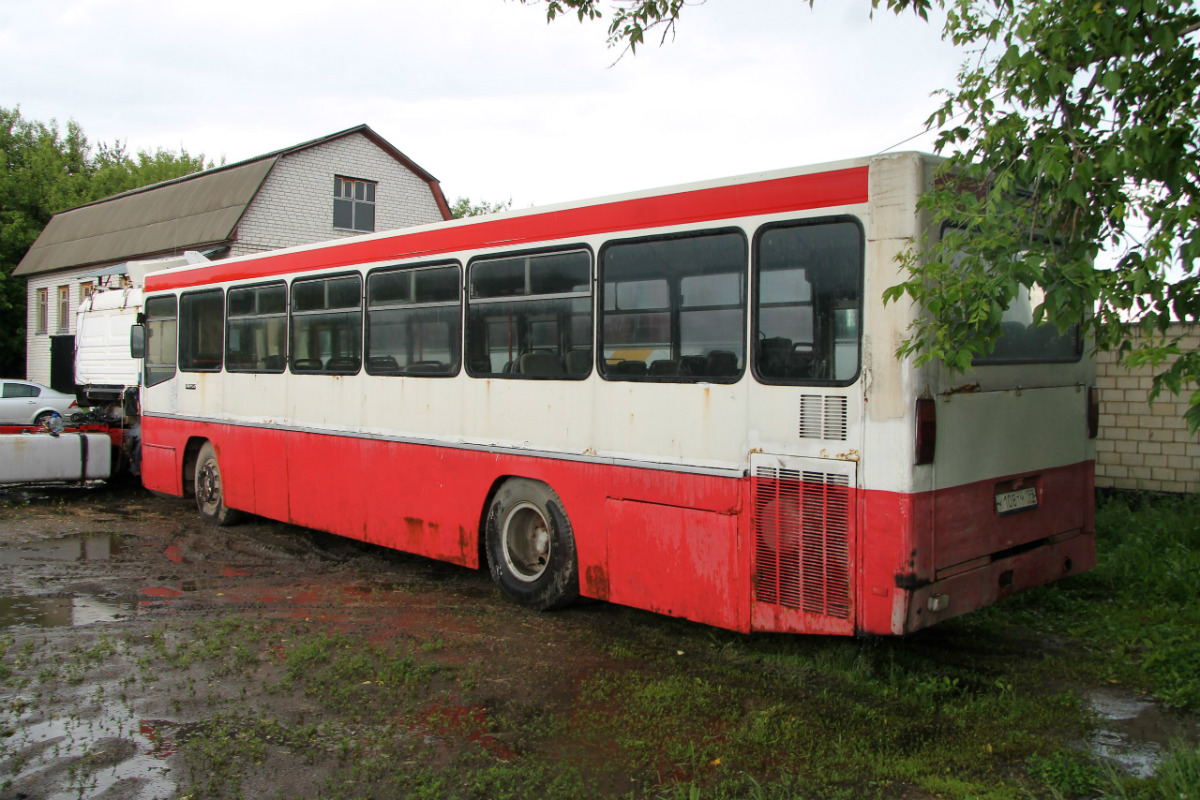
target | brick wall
[{"x": 1143, "y": 446}]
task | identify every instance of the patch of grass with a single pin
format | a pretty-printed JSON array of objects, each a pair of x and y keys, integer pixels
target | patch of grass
[
  {"x": 824, "y": 717},
  {"x": 6, "y": 669},
  {"x": 352, "y": 676},
  {"x": 225, "y": 645},
  {"x": 1179, "y": 775},
  {"x": 1150, "y": 567},
  {"x": 221, "y": 750},
  {"x": 1134, "y": 618},
  {"x": 1065, "y": 773}
]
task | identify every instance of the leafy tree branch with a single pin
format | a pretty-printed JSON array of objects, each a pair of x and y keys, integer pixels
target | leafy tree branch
[
  {"x": 44, "y": 170},
  {"x": 1071, "y": 133}
]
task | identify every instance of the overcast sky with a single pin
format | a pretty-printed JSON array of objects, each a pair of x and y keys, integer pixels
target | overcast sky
[{"x": 484, "y": 94}]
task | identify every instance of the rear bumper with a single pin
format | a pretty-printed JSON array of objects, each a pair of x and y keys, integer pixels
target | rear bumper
[{"x": 983, "y": 581}]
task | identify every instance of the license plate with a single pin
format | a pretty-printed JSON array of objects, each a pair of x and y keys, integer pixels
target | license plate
[{"x": 1020, "y": 500}]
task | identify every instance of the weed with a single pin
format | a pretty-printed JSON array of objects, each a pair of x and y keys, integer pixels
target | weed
[
  {"x": 1178, "y": 777},
  {"x": 433, "y": 645},
  {"x": 1065, "y": 773}
]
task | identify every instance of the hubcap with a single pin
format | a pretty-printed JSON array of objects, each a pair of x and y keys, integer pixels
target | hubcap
[
  {"x": 525, "y": 539},
  {"x": 209, "y": 484}
]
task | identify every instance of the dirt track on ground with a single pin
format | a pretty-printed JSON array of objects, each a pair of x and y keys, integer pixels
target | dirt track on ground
[
  {"x": 104, "y": 589},
  {"x": 147, "y": 655}
]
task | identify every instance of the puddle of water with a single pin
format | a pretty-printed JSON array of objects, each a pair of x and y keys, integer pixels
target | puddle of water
[
  {"x": 73, "y": 738},
  {"x": 73, "y": 547},
  {"x": 1136, "y": 733},
  {"x": 59, "y": 612}
]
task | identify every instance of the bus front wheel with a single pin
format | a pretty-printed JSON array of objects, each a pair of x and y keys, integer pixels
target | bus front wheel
[
  {"x": 210, "y": 492},
  {"x": 531, "y": 546}
]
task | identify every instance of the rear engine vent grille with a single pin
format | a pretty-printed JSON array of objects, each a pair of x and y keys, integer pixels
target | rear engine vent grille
[
  {"x": 802, "y": 540},
  {"x": 822, "y": 417}
]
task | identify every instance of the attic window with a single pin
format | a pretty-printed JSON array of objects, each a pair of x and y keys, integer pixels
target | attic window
[{"x": 353, "y": 204}]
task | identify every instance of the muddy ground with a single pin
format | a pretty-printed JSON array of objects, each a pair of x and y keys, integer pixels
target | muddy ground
[{"x": 145, "y": 654}]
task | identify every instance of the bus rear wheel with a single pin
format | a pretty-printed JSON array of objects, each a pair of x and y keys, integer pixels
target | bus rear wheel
[
  {"x": 531, "y": 546},
  {"x": 210, "y": 492}
]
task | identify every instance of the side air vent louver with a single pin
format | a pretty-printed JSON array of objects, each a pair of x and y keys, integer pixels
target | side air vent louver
[
  {"x": 822, "y": 417},
  {"x": 801, "y": 540}
]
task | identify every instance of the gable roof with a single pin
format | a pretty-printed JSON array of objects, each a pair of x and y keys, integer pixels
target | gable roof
[{"x": 190, "y": 212}]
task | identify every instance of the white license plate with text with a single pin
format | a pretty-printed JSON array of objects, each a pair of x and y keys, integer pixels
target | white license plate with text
[{"x": 1019, "y": 500}]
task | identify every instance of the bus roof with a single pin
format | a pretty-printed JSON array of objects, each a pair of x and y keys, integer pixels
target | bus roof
[{"x": 820, "y": 186}]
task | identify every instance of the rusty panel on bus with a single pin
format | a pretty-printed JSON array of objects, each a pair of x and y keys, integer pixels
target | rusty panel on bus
[
  {"x": 803, "y": 531},
  {"x": 677, "y": 561}
]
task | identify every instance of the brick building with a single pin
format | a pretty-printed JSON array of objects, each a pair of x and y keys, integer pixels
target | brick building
[
  {"x": 344, "y": 184},
  {"x": 1144, "y": 446}
]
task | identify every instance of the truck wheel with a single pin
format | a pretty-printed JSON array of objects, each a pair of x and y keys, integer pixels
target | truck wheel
[
  {"x": 210, "y": 493},
  {"x": 531, "y": 547}
]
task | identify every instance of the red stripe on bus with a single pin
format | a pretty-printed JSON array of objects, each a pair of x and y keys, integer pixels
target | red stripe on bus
[
  {"x": 675, "y": 543},
  {"x": 796, "y": 193}
]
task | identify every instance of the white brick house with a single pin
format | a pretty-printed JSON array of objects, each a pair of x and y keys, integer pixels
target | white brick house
[{"x": 343, "y": 184}]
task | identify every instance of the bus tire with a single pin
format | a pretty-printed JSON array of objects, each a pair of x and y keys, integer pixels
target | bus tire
[
  {"x": 210, "y": 492},
  {"x": 531, "y": 546}
]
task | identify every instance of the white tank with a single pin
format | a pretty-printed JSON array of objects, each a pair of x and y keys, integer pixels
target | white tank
[{"x": 43, "y": 457}]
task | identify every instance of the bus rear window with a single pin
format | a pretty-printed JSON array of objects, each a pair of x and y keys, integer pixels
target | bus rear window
[{"x": 1022, "y": 342}]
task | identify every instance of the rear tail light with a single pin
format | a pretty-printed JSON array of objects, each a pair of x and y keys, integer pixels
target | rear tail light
[
  {"x": 1093, "y": 412},
  {"x": 926, "y": 429}
]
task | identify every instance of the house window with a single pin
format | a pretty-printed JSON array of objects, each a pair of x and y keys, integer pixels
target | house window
[
  {"x": 85, "y": 290},
  {"x": 64, "y": 308},
  {"x": 353, "y": 204},
  {"x": 43, "y": 309}
]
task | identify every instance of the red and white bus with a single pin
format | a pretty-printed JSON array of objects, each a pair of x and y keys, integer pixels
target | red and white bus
[{"x": 684, "y": 400}]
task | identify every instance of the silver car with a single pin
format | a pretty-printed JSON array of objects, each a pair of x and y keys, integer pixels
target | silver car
[{"x": 27, "y": 403}]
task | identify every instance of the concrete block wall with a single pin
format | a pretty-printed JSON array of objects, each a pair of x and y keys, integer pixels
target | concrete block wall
[
  {"x": 295, "y": 204},
  {"x": 1144, "y": 446}
]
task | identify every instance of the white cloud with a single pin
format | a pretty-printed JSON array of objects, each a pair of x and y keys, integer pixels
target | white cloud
[{"x": 482, "y": 93}]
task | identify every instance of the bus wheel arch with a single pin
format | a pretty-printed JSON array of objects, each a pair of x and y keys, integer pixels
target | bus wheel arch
[
  {"x": 531, "y": 545},
  {"x": 208, "y": 487},
  {"x": 191, "y": 452}
]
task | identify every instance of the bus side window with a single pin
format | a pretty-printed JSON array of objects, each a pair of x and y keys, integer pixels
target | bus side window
[
  {"x": 256, "y": 337},
  {"x": 201, "y": 330},
  {"x": 674, "y": 308},
  {"x": 160, "y": 339},
  {"x": 326, "y": 325},
  {"x": 530, "y": 316},
  {"x": 414, "y": 321},
  {"x": 808, "y": 295}
]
